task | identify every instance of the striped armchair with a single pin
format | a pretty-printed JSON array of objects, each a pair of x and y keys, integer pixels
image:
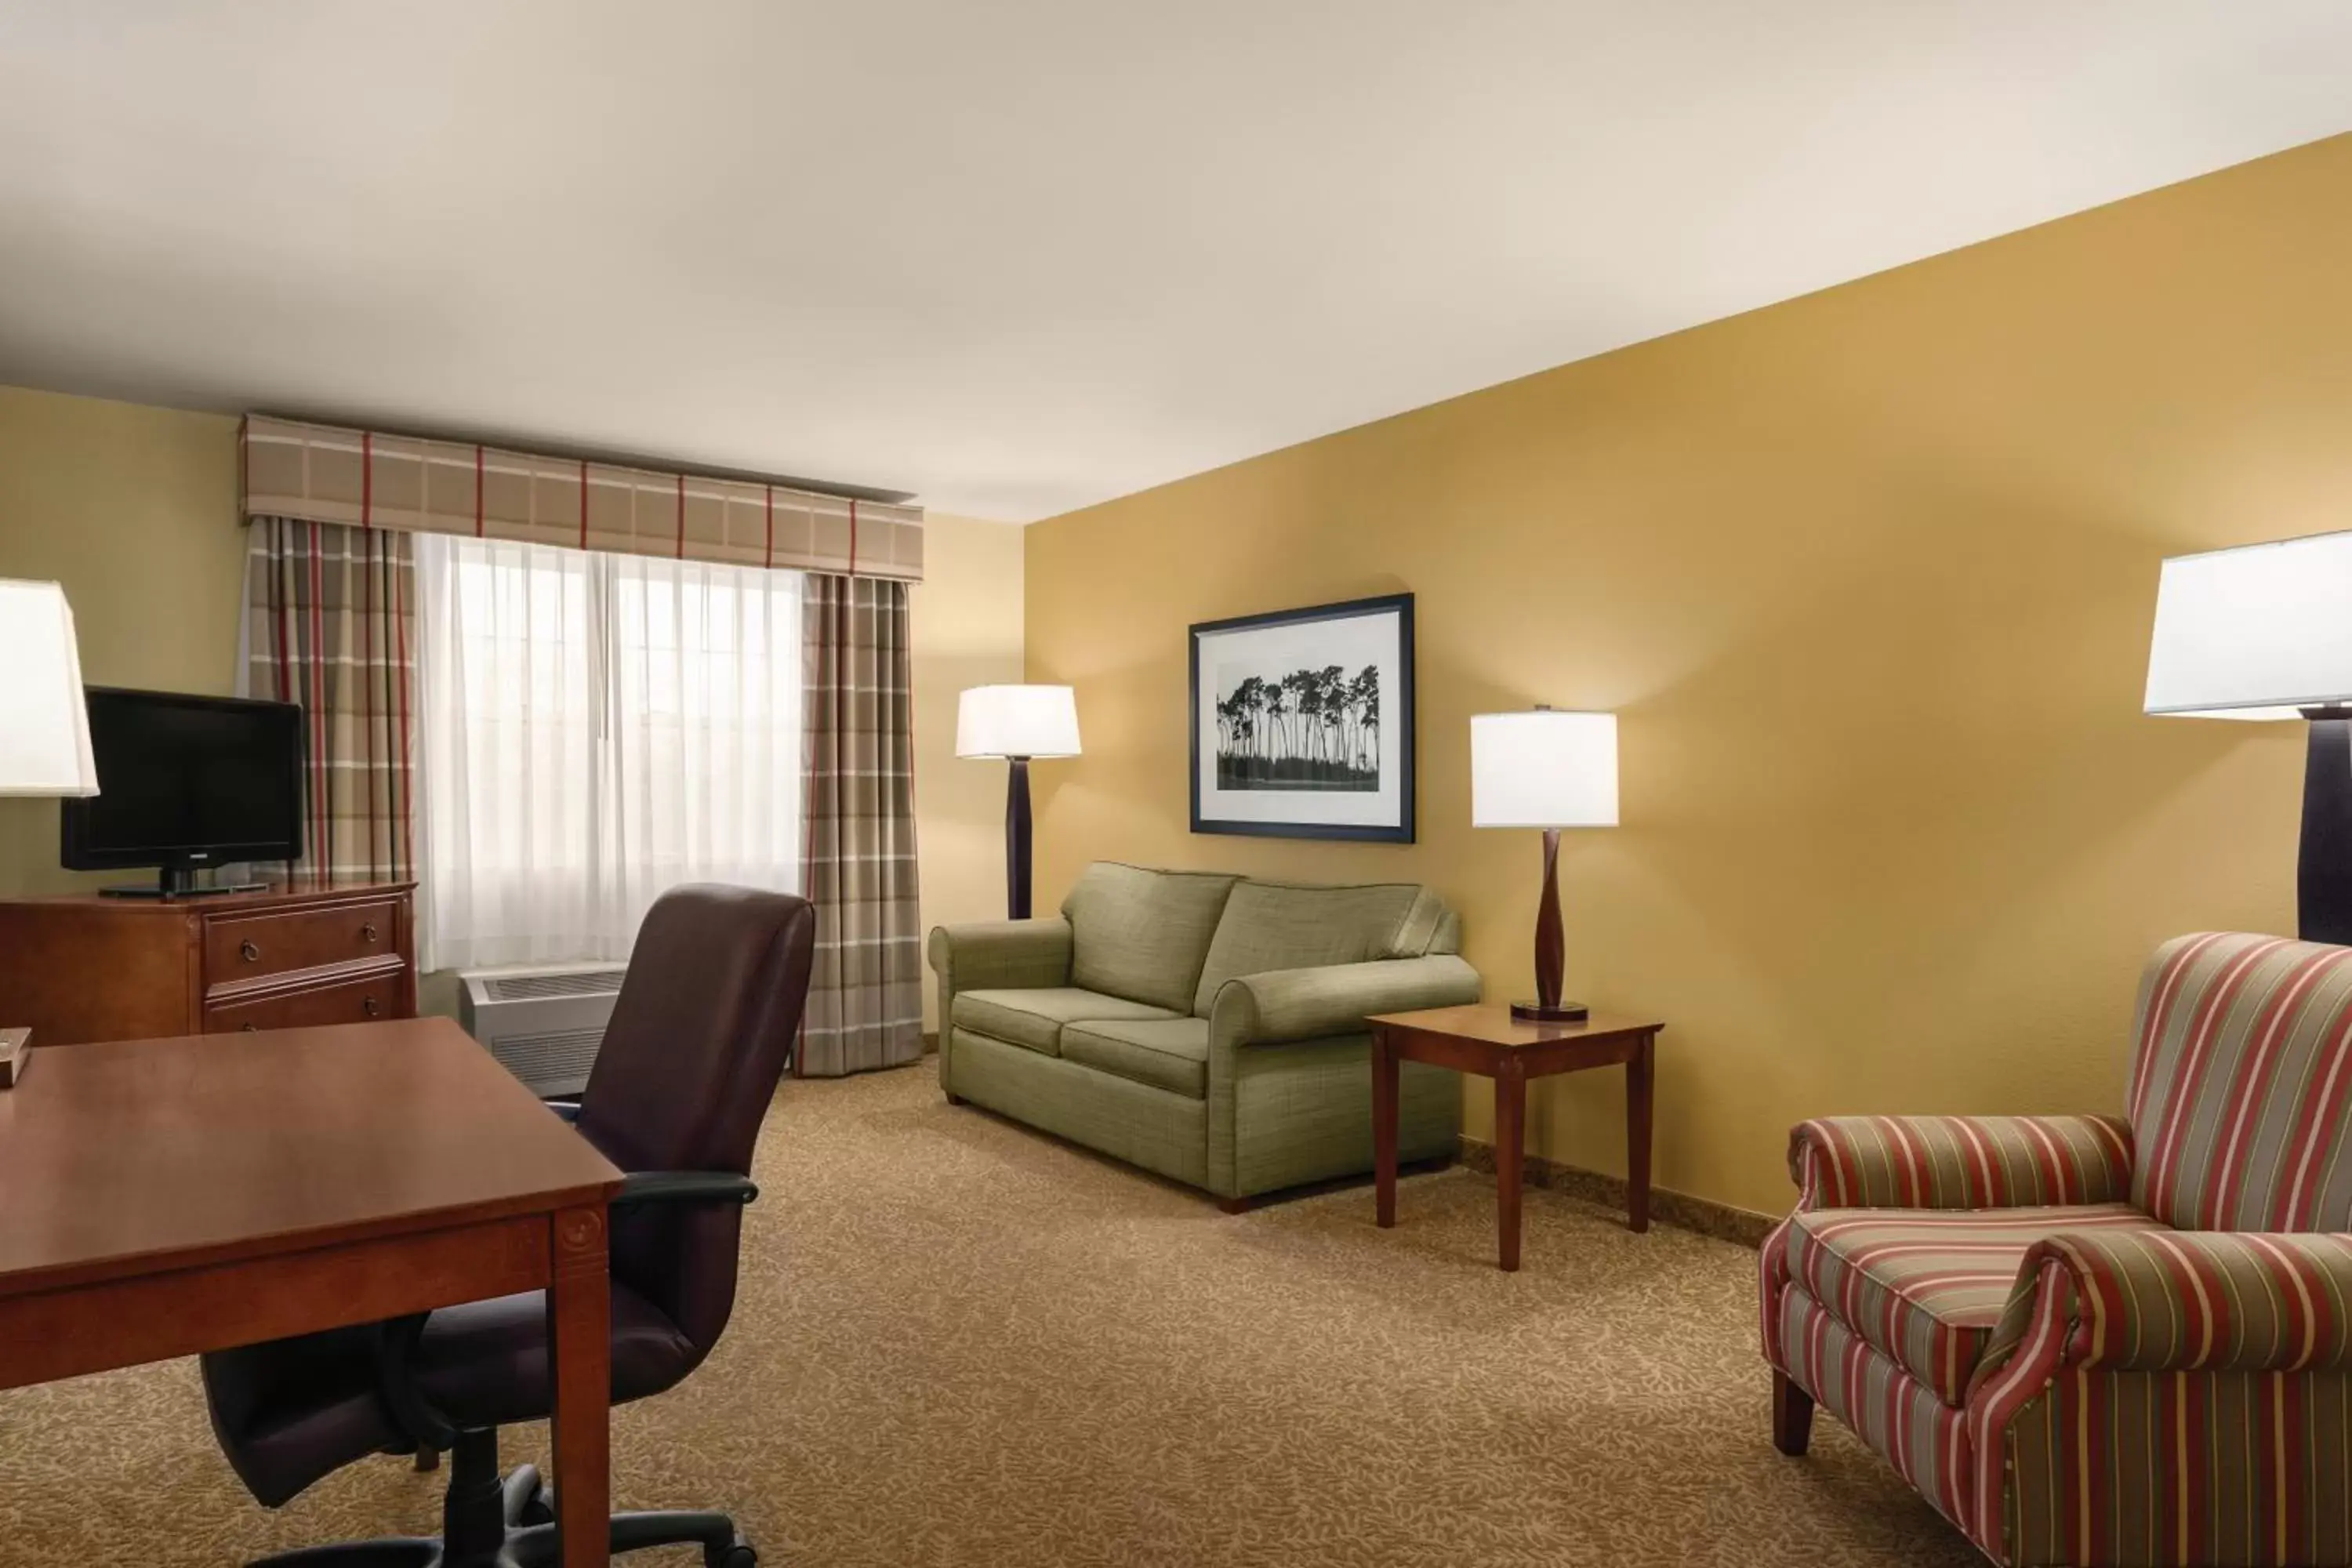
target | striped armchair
[{"x": 2100, "y": 1340}]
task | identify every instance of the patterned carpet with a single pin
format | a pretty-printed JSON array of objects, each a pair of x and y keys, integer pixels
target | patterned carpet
[{"x": 960, "y": 1342}]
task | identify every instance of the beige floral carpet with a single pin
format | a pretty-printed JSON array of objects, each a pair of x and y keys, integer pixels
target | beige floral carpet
[{"x": 962, "y": 1342}]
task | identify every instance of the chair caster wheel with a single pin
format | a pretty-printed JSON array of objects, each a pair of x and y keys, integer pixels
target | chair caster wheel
[{"x": 736, "y": 1555}]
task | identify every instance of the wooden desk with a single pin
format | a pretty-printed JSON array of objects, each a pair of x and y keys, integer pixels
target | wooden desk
[
  {"x": 1484, "y": 1038},
  {"x": 167, "y": 1197}
]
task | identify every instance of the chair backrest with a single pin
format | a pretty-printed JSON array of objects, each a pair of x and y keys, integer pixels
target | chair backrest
[
  {"x": 699, "y": 1034},
  {"x": 2241, "y": 1077}
]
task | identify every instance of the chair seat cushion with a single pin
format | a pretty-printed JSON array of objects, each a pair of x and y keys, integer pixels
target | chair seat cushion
[
  {"x": 1926, "y": 1286},
  {"x": 291, "y": 1411},
  {"x": 1166, "y": 1053},
  {"x": 1034, "y": 1018}
]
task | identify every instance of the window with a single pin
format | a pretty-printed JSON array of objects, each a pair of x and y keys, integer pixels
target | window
[{"x": 596, "y": 729}]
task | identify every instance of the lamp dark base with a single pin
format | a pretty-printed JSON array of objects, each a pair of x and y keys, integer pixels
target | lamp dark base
[{"x": 1536, "y": 1013}]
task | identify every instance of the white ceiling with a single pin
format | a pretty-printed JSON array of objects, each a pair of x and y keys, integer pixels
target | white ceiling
[{"x": 1017, "y": 256}]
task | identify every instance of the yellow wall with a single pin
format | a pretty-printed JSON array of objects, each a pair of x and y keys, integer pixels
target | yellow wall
[
  {"x": 966, "y": 632},
  {"x": 135, "y": 510},
  {"x": 1868, "y": 576}
]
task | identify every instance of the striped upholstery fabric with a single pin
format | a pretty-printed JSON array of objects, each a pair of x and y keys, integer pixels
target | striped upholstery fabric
[
  {"x": 1918, "y": 1433},
  {"x": 1928, "y": 1288},
  {"x": 2242, "y": 1084},
  {"x": 2083, "y": 1463},
  {"x": 2169, "y": 1300},
  {"x": 1960, "y": 1161},
  {"x": 2164, "y": 1381},
  {"x": 2097, "y": 1480}
]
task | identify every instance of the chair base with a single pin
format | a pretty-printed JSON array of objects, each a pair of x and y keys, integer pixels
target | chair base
[{"x": 493, "y": 1522}]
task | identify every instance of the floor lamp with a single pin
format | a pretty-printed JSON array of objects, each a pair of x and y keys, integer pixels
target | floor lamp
[
  {"x": 1017, "y": 722},
  {"x": 1549, "y": 770},
  {"x": 44, "y": 723},
  {"x": 2262, "y": 631}
]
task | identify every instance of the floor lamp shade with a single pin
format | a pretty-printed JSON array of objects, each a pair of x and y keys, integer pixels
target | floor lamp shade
[
  {"x": 2263, "y": 632},
  {"x": 1549, "y": 770},
  {"x": 1017, "y": 722},
  {"x": 44, "y": 723}
]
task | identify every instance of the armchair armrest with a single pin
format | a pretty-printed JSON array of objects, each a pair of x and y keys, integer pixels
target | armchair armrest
[
  {"x": 2168, "y": 1300},
  {"x": 1960, "y": 1162},
  {"x": 1335, "y": 999},
  {"x": 1001, "y": 954}
]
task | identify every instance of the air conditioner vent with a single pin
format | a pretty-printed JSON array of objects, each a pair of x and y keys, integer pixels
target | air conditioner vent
[
  {"x": 545, "y": 1025},
  {"x": 536, "y": 987},
  {"x": 556, "y": 1062}
]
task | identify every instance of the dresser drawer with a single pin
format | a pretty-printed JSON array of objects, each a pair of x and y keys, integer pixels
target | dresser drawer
[
  {"x": 240, "y": 947},
  {"x": 362, "y": 1001}
]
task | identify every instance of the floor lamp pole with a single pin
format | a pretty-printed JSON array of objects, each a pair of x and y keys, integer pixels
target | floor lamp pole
[
  {"x": 2323, "y": 882},
  {"x": 1016, "y": 839}
]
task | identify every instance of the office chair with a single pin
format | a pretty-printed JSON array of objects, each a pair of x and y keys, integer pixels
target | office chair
[{"x": 701, "y": 1031}]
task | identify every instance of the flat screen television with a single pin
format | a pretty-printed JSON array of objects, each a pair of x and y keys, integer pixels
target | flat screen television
[{"x": 185, "y": 783}]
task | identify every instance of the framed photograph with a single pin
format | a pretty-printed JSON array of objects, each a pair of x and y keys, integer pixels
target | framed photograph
[{"x": 1302, "y": 723}]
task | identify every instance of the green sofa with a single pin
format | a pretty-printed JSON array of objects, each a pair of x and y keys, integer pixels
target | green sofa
[{"x": 1205, "y": 1027}]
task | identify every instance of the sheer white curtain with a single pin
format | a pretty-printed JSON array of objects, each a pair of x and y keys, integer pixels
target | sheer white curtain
[{"x": 596, "y": 729}]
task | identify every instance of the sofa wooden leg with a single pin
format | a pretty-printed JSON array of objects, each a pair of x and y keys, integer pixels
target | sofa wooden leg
[
  {"x": 1234, "y": 1205},
  {"x": 1792, "y": 1416}
]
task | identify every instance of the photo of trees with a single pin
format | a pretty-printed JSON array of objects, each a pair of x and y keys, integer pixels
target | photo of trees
[{"x": 1308, "y": 730}]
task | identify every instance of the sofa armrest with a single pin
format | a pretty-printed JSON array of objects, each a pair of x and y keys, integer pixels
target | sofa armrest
[
  {"x": 1334, "y": 999},
  {"x": 1001, "y": 955},
  {"x": 2175, "y": 1300},
  {"x": 1960, "y": 1162}
]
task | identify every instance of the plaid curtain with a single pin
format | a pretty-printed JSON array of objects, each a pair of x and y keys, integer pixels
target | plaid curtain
[
  {"x": 330, "y": 622},
  {"x": 865, "y": 1000}
]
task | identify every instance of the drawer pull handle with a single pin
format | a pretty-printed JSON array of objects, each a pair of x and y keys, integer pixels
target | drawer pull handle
[
  {"x": 247, "y": 952},
  {"x": 368, "y": 1006},
  {"x": 249, "y": 1028},
  {"x": 367, "y": 932}
]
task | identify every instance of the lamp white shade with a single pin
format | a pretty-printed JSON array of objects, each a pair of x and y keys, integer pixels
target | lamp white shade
[
  {"x": 1017, "y": 721},
  {"x": 1543, "y": 769},
  {"x": 2259, "y": 632},
  {"x": 44, "y": 725}
]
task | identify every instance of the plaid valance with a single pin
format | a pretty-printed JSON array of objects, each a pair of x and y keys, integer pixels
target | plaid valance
[{"x": 320, "y": 473}]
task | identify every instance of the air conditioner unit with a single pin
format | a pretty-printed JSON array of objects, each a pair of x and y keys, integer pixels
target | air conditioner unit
[{"x": 543, "y": 1022}]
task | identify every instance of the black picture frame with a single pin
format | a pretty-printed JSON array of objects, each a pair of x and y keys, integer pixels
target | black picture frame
[{"x": 1400, "y": 829}]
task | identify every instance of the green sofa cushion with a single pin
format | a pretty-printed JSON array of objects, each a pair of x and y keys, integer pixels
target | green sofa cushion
[
  {"x": 1279, "y": 925},
  {"x": 1034, "y": 1018},
  {"x": 1168, "y": 1053},
  {"x": 1142, "y": 935}
]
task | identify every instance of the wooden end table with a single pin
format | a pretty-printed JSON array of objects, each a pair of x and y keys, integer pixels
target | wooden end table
[{"x": 1484, "y": 1038}]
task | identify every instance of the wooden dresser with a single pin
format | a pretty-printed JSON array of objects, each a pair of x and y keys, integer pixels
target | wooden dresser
[{"x": 84, "y": 967}]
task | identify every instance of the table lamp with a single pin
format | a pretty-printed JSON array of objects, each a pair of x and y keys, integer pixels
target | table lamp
[
  {"x": 1549, "y": 770},
  {"x": 1017, "y": 722},
  {"x": 2264, "y": 631},
  {"x": 43, "y": 727}
]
